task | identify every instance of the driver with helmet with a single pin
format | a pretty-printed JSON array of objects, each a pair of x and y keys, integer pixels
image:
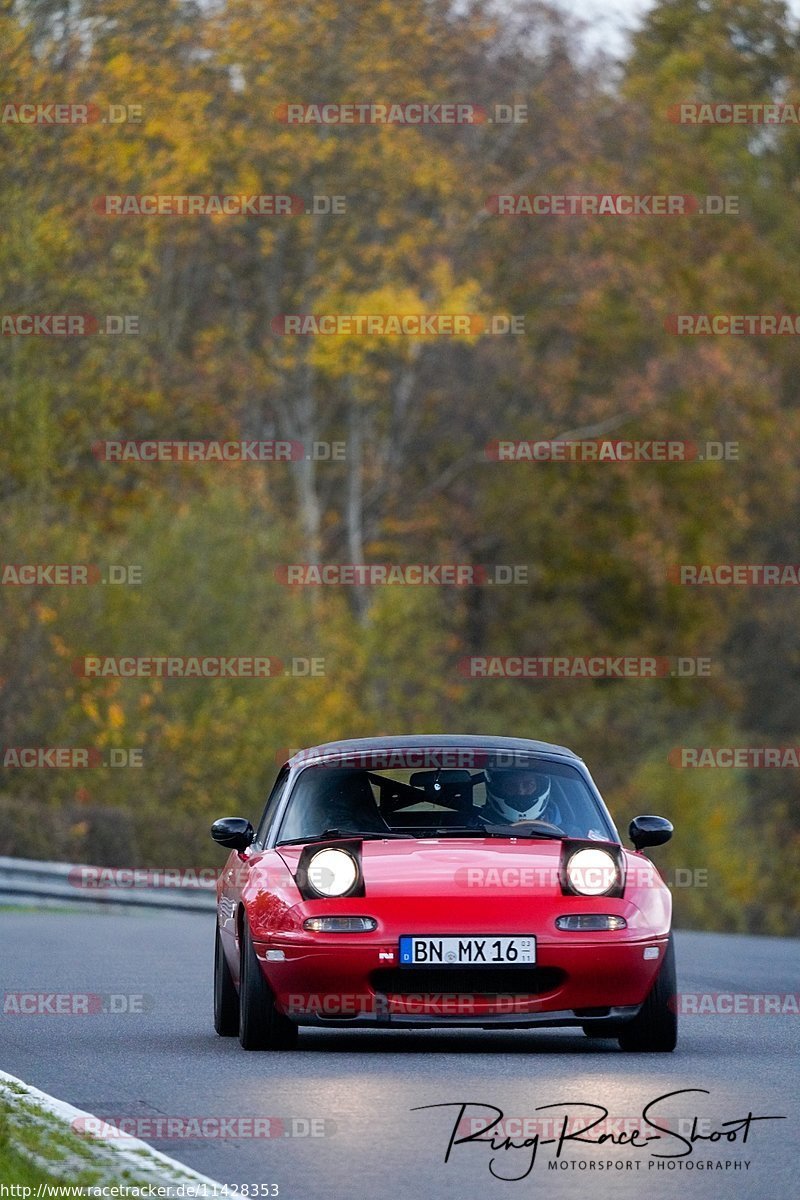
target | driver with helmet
[{"x": 519, "y": 795}]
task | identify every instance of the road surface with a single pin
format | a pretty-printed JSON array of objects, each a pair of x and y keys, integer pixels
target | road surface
[{"x": 362, "y": 1093}]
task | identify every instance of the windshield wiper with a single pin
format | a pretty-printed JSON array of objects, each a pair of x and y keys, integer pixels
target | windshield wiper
[
  {"x": 333, "y": 834},
  {"x": 528, "y": 829}
]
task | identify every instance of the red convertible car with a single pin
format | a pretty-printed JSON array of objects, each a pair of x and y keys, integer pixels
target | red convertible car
[{"x": 441, "y": 881}]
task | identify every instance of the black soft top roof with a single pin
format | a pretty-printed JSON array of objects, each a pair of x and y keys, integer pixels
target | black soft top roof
[{"x": 431, "y": 741}]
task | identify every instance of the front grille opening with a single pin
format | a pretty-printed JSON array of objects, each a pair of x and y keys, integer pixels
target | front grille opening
[{"x": 469, "y": 981}]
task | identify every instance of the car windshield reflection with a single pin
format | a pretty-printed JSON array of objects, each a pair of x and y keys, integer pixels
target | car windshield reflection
[{"x": 530, "y": 798}]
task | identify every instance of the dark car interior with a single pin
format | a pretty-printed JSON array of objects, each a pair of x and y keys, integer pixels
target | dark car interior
[
  {"x": 422, "y": 801},
  {"x": 430, "y": 799}
]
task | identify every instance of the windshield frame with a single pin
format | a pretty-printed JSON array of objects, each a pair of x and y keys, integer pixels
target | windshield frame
[{"x": 340, "y": 759}]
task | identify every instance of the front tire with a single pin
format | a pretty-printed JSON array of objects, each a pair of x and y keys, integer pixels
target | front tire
[
  {"x": 655, "y": 1027},
  {"x": 226, "y": 1001},
  {"x": 261, "y": 1026}
]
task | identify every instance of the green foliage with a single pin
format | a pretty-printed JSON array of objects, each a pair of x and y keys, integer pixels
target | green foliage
[{"x": 416, "y": 414}]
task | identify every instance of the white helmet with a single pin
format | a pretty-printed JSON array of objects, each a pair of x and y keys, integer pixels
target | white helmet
[{"x": 518, "y": 795}]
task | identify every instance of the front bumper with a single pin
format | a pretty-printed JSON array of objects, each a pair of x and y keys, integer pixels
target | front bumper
[
  {"x": 408, "y": 1020},
  {"x": 341, "y": 981}
]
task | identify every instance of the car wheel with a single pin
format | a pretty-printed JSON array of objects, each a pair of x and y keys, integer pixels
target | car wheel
[
  {"x": 261, "y": 1026},
  {"x": 226, "y": 1001},
  {"x": 655, "y": 1027}
]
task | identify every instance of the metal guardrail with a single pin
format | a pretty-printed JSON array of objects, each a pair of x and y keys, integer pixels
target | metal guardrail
[{"x": 26, "y": 881}]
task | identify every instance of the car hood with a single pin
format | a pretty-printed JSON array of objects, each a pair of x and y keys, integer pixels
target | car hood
[
  {"x": 455, "y": 866},
  {"x": 453, "y": 884}
]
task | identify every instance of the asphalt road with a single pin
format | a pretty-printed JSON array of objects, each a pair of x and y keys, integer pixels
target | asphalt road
[{"x": 365, "y": 1084}]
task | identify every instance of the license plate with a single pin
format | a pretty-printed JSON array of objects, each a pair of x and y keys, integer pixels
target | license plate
[{"x": 468, "y": 951}]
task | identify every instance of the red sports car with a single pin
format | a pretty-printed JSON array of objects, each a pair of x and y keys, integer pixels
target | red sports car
[{"x": 441, "y": 881}]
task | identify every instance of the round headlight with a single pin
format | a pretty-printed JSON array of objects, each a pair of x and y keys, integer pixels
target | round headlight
[
  {"x": 332, "y": 872},
  {"x": 592, "y": 872}
]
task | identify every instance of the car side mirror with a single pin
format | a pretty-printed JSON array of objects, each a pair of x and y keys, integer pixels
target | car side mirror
[
  {"x": 234, "y": 833},
  {"x": 649, "y": 831}
]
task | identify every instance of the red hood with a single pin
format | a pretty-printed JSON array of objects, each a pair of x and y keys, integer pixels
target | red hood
[
  {"x": 454, "y": 866},
  {"x": 456, "y": 884}
]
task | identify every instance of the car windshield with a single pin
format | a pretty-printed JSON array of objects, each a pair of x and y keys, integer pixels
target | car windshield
[{"x": 492, "y": 796}]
